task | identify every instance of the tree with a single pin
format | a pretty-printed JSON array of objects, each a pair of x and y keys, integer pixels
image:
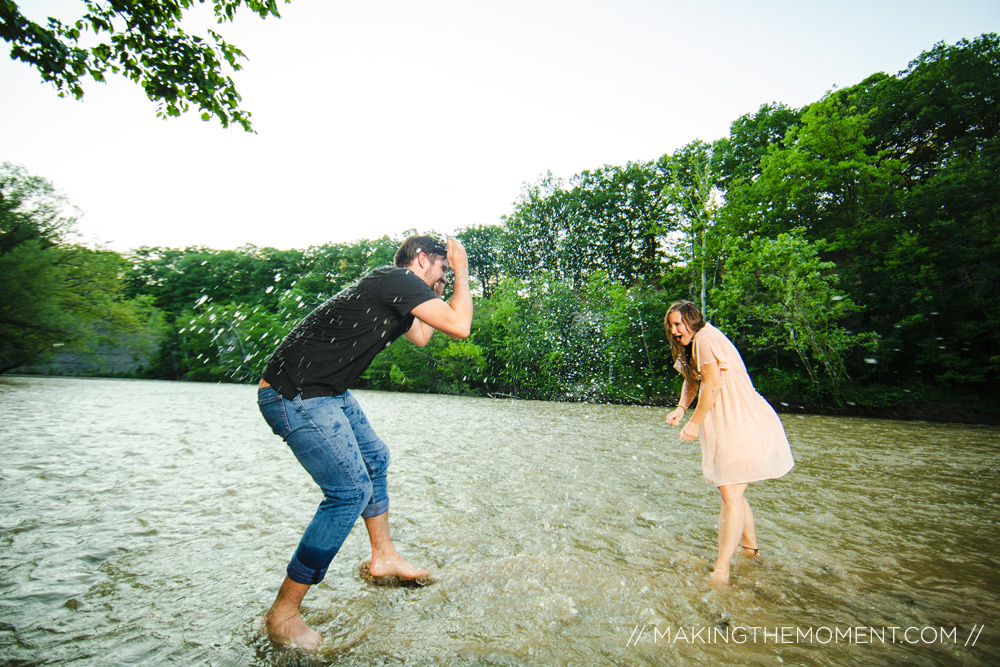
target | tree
[
  {"x": 613, "y": 219},
  {"x": 619, "y": 220},
  {"x": 178, "y": 279},
  {"x": 737, "y": 157},
  {"x": 535, "y": 229},
  {"x": 780, "y": 294},
  {"x": 54, "y": 295},
  {"x": 142, "y": 40},
  {"x": 694, "y": 199},
  {"x": 940, "y": 117},
  {"x": 942, "y": 107},
  {"x": 229, "y": 341},
  {"x": 826, "y": 179},
  {"x": 484, "y": 246}
]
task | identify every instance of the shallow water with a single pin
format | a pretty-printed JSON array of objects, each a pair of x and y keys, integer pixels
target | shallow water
[{"x": 149, "y": 523}]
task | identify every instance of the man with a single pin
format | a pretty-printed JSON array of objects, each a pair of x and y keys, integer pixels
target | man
[{"x": 305, "y": 399}]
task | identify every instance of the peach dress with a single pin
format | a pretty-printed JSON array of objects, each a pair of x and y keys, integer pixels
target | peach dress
[{"x": 742, "y": 439}]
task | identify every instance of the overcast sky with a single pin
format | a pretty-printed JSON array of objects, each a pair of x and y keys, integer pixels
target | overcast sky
[{"x": 377, "y": 116}]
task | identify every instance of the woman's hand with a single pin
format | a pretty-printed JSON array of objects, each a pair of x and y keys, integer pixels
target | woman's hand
[
  {"x": 690, "y": 432},
  {"x": 675, "y": 416}
]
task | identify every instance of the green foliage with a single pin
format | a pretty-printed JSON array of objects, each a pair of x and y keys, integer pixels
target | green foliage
[
  {"x": 144, "y": 42},
  {"x": 55, "y": 295},
  {"x": 613, "y": 220},
  {"x": 778, "y": 293},
  {"x": 851, "y": 248},
  {"x": 935, "y": 291},
  {"x": 177, "y": 279},
  {"x": 535, "y": 341},
  {"x": 737, "y": 158},
  {"x": 619, "y": 217},
  {"x": 445, "y": 366},
  {"x": 230, "y": 341},
  {"x": 822, "y": 177},
  {"x": 943, "y": 106},
  {"x": 484, "y": 246},
  {"x": 633, "y": 340},
  {"x": 695, "y": 200},
  {"x": 546, "y": 340}
]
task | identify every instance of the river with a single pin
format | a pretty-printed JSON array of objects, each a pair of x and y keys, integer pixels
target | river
[{"x": 149, "y": 523}]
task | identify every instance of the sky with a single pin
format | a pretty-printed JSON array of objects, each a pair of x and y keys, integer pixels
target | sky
[{"x": 379, "y": 116}]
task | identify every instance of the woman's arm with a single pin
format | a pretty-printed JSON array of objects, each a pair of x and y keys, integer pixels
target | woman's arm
[
  {"x": 688, "y": 392},
  {"x": 711, "y": 386}
]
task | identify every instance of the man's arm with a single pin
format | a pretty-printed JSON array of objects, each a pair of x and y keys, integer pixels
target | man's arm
[
  {"x": 419, "y": 333},
  {"x": 453, "y": 318}
]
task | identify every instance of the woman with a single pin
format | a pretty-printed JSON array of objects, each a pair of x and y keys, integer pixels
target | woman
[{"x": 742, "y": 439}]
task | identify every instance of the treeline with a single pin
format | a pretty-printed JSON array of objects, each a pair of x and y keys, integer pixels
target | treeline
[{"x": 850, "y": 248}]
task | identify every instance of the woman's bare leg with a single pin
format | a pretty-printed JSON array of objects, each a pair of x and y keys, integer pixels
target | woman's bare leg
[
  {"x": 749, "y": 539},
  {"x": 731, "y": 524}
]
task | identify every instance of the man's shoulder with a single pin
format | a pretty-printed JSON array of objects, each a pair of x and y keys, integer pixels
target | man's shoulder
[
  {"x": 390, "y": 272},
  {"x": 397, "y": 283}
]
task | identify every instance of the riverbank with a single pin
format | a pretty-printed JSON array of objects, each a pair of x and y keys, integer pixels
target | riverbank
[
  {"x": 925, "y": 410},
  {"x": 932, "y": 412}
]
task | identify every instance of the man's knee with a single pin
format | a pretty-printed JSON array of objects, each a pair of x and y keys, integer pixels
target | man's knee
[
  {"x": 358, "y": 495},
  {"x": 377, "y": 460}
]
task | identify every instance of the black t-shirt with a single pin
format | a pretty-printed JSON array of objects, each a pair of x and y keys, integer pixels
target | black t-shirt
[{"x": 334, "y": 344}]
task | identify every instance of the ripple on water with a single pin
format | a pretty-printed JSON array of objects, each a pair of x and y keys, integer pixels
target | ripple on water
[{"x": 152, "y": 522}]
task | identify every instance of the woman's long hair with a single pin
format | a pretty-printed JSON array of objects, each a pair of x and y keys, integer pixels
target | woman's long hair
[{"x": 691, "y": 317}]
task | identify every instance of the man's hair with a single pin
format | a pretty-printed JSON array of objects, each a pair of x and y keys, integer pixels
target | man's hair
[{"x": 414, "y": 245}]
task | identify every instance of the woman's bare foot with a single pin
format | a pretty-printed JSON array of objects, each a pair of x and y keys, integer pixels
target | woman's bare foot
[
  {"x": 718, "y": 580},
  {"x": 287, "y": 628}
]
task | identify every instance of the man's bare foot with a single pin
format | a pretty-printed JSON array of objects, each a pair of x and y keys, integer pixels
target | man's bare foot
[
  {"x": 287, "y": 628},
  {"x": 395, "y": 565},
  {"x": 393, "y": 574}
]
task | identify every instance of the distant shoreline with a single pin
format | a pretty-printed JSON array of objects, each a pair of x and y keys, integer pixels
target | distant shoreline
[{"x": 930, "y": 412}]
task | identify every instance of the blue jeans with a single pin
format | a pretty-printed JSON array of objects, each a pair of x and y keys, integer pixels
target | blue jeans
[{"x": 335, "y": 443}]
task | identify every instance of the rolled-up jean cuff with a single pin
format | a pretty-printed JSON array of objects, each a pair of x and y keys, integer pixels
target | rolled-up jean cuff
[
  {"x": 374, "y": 509},
  {"x": 301, "y": 574}
]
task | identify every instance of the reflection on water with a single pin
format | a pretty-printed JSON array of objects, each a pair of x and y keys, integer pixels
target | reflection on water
[{"x": 150, "y": 522}]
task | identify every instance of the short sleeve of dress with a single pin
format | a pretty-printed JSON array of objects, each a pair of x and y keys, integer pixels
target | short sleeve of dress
[{"x": 710, "y": 346}]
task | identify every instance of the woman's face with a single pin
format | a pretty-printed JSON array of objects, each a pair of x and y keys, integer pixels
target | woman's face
[{"x": 678, "y": 329}]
